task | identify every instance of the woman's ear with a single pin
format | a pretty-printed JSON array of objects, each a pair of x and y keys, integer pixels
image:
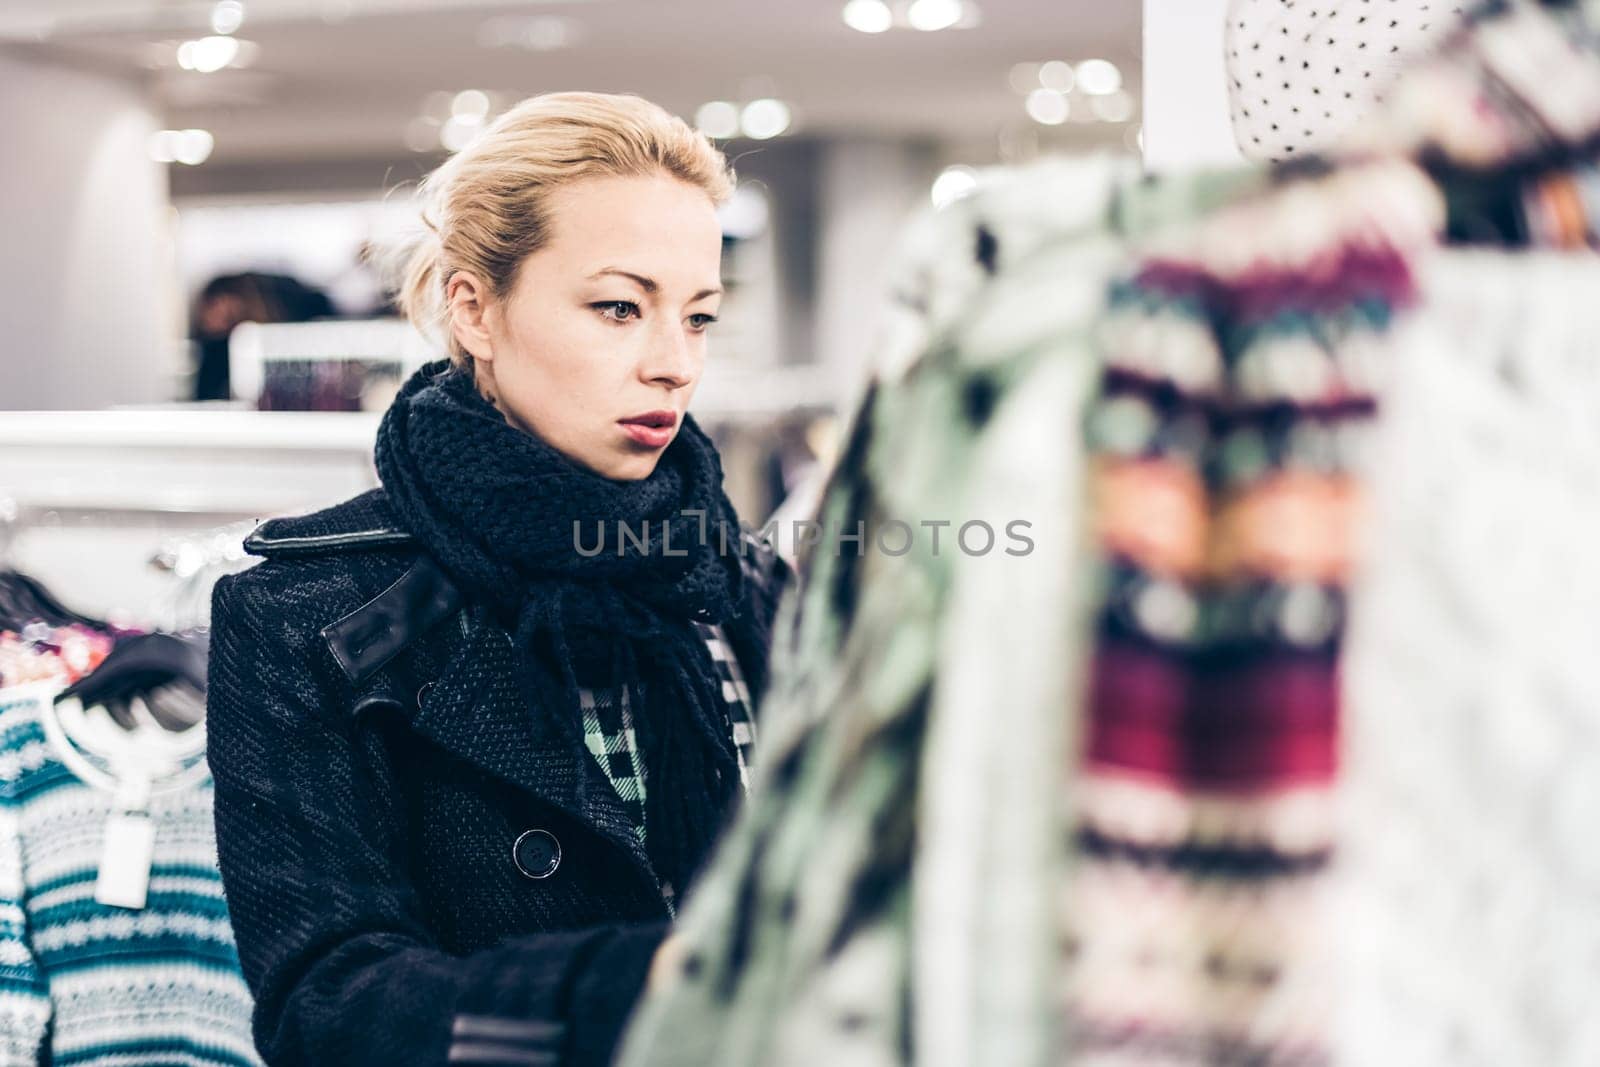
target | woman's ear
[{"x": 468, "y": 301}]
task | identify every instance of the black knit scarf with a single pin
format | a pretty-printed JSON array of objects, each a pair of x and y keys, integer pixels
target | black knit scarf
[{"x": 516, "y": 524}]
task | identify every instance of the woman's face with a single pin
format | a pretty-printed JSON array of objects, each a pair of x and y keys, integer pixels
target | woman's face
[{"x": 599, "y": 346}]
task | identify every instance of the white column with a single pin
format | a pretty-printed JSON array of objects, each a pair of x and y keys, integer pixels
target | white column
[
  {"x": 87, "y": 288},
  {"x": 869, "y": 190},
  {"x": 1186, "y": 120}
]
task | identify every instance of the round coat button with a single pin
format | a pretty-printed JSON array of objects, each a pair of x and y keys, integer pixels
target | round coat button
[
  {"x": 422, "y": 694},
  {"x": 537, "y": 853}
]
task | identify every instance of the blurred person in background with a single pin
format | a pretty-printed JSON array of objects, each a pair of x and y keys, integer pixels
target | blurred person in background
[
  {"x": 229, "y": 299},
  {"x": 469, "y": 750}
]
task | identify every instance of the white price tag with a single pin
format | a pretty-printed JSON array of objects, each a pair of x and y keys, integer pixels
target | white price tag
[{"x": 125, "y": 860}]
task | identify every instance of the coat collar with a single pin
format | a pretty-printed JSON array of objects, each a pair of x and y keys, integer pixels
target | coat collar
[
  {"x": 373, "y": 634},
  {"x": 363, "y": 522}
]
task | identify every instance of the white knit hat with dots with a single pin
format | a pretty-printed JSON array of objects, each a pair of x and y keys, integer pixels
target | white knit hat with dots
[{"x": 1302, "y": 72}]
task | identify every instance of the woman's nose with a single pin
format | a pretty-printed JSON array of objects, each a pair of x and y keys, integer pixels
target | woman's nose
[{"x": 671, "y": 360}]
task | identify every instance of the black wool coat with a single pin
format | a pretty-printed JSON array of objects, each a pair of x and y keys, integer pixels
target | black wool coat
[{"x": 411, "y": 874}]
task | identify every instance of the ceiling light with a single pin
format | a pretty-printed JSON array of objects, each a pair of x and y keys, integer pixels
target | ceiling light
[
  {"x": 764, "y": 119},
  {"x": 868, "y": 16},
  {"x": 1024, "y": 78},
  {"x": 971, "y": 16},
  {"x": 952, "y": 184},
  {"x": 191, "y": 55},
  {"x": 1113, "y": 107},
  {"x": 193, "y": 147},
  {"x": 539, "y": 34},
  {"x": 1099, "y": 77},
  {"x": 931, "y": 15},
  {"x": 1047, "y": 106},
  {"x": 227, "y": 16},
  {"x": 1056, "y": 75},
  {"x": 458, "y": 133},
  {"x": 470, "y": 106},
  {"x": 718, "y": 119},
  {"x": 208, "y": 54}
]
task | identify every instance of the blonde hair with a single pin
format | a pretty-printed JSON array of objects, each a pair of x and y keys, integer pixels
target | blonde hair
[{"x": 487, "y": 208}]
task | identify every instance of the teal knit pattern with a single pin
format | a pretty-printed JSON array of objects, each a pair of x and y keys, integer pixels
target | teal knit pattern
[{"x": 83, "y": 983}]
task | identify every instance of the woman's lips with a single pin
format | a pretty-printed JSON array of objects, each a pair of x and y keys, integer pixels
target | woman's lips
[
  {"x": 649, "y": 436},
  {"x": 651, "y": 430}
]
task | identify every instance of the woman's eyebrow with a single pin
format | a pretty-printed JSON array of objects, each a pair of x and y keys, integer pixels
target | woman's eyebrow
[{"x": 649, "y": 284}]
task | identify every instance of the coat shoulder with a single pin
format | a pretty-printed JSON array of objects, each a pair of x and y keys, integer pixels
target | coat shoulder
[
  {"x": 315, "y": 570},
  {"x": 363, "y": 523}
]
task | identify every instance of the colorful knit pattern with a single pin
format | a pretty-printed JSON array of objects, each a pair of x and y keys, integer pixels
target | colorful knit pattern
[
  {"x": 82, "y": 983},
  {"x": 1238, "y": 388},
  {"x": 58, "y": 655}
]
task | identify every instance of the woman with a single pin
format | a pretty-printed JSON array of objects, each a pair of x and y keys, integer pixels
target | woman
[{"x": 472, "y": 731}]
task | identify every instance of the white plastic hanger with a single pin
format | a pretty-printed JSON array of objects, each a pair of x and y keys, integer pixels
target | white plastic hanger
[{"x": 130, "y": 753}]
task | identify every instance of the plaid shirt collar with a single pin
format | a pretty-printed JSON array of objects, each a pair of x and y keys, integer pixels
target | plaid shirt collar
[{"x": 609, "y": 734}]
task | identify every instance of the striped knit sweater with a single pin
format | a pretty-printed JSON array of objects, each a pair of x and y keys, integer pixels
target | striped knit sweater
[
  {"x": 1238, "y": 391},
  {"x": 83, "y": 983},
  {"x": 1223, "y": 909}
]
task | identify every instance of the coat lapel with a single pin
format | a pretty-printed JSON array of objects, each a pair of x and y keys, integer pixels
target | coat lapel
[{"x": 476, "y": 710}]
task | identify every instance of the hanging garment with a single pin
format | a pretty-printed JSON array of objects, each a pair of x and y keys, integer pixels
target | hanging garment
[
  {"x": 1301, "y": 76},
  {"x": 1227, "y": 905},
  {"x": 1220, "y": 896},
  {"x": 1241, "y": 361},
  {"x": 1199, "y": 784},
  {"x": 87, "y": 983},
  {"x": 59, "y": 655},
  {"x": 1518, "y": 88},
  {"x": 1470, "y": 868},
  {"x": 1014, "y": 632},
  {"x": 800, "y": 938}
]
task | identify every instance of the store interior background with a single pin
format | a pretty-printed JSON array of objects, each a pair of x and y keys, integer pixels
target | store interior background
[{"x": 318, "y": 117}]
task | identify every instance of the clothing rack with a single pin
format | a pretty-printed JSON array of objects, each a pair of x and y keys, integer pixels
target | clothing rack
[{"x": 92, "y": 495}]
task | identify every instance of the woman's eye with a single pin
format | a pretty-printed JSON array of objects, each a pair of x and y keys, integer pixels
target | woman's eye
[
  {"x": 617, "y": 310},
  {"x": 700, "y": 322}
]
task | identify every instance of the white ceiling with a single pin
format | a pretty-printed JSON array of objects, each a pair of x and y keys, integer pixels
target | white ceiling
[{"x": 342, "y": 78}]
